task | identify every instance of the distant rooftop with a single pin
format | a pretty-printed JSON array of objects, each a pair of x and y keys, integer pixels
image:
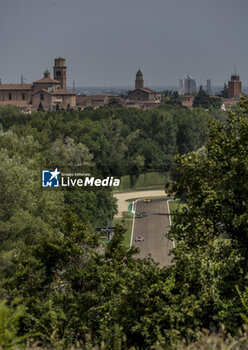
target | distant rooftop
[{"x": 15, "y": 86}]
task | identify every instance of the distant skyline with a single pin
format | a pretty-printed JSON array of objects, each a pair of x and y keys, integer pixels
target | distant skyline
[{"x": 105, "y": 42}]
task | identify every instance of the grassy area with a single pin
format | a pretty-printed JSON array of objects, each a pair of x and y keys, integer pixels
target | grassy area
[
  {"x": 147, "y": 188},
  {"x": 150, "y": 180},
  {"x": 174, "y": 206},
  {"x": 126, "y": 221}
]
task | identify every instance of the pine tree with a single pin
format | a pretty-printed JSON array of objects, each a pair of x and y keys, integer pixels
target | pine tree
[{"x": 40, "y": 108}]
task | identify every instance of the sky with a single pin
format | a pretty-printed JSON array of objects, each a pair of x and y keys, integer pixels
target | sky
[{"x": 105, "y": 42}]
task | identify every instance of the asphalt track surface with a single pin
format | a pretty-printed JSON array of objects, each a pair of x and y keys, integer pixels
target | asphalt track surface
[
  {"x": 154, "y": 228},
  {"x": 122, "y": 198}
]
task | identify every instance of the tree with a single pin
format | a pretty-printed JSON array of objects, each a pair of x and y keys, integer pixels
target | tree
[
  {"x": 244, "y": 299},
  {"x": 224, "y": 92},
  {"x": 68, "y": 153},
  {"x": 40, "y": 107},
  {"x": 10, "y": 316},
  {"x": 26, "y": 212},
  {"x": 211, "y": 252},
  {"x": 169, "y": 97},
  {"x": 202, "y": 99},
  {"x": 136, "y": 164},
  {"x": 47, "y": 275}
]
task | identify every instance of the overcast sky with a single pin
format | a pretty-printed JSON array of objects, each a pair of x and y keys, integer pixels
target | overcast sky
[{"x": 106, "y": 41}]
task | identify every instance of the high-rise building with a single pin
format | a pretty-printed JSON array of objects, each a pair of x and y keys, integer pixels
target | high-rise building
[
  {"x": 187, "y": 86},
  {"x": 234, "y": 86},
  {"x": 209, "y": 88}
]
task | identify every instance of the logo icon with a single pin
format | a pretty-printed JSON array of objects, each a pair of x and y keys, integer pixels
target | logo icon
[{"x": 50, "y": 178}]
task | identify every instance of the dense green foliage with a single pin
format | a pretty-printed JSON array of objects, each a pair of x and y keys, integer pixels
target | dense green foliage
[
  {"x": 67, "y": 285},
  {"x": 171, "y": 98},
  {"x": 202, "y": 99},
  {"x": 212, "y": 233},
  {"x": 147, "y": 180},
  {"x": 224, "y": 92},
  {"x": 9, "y": 325},
  {"x": 119, "y": 141}
]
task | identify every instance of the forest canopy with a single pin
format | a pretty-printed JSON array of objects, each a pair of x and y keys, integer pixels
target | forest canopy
[{"x": 60, "y": 284}]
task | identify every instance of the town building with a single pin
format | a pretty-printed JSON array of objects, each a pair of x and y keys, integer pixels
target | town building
[
  {"x": 49, "y": 92},
  {"x": 96, "y": 101},
  {"x": 187, "y": 101},
  {"x": 187, "y": 86},
  {"x": 229, "y": 103},
  {"x": 234, "y": 87},
  {"x": 142, "y": 93}
]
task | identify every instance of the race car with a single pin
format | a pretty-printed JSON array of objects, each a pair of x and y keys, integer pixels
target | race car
[
  {"x": 147, "y": 200},
  {"x": 139, "y": 239},
  {"x": 138, "y": 216}
]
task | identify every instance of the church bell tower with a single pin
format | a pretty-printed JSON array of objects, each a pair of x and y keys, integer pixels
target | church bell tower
[
  {"x": 59, "y": 71},
  {"x": 139, "y": 81}
]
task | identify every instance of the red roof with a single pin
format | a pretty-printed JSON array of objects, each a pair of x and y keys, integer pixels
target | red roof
[
  {"x": 147, "y": 90},
  {"x": 47, "y": 80},
  {"x": 57, "y": 92},
  {"x": 150, "y": 91},
  {"x": 15, "y": 86},
  {"x": 63, "y": 92}
]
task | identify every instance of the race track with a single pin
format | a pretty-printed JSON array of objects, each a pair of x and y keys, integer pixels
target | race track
[
  {"x": 122, "y": 198},
  {"x": 153, "y": 228}
]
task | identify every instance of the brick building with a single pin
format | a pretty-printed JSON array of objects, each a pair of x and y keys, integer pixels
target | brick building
[
  {"x": 188, "y": 101},
  {"x": 96, "y": 101},
  {"x": 15, "y": 94},
  {"x": 234, "y": 87},
  {"x": 139, "y": 81},
  {"x": 142, "y": 93},
  {"x": 50, "y": 92}
]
